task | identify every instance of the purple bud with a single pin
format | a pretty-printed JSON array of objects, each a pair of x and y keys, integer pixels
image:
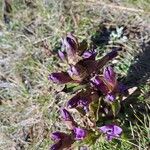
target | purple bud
[
  {"x": 73, "y": 102},
  {"x": 62, "y": 55},
  {"x": 77, "y": 73},
  {"x": 66, "y": 116},
  {"x": 99, "y": 84},
  {"x": 60, "y": 77},
  {"x": 110, "y": 75},
  {"x": 90, "y": 54},
  {"x": 72, "y": 71},
  {"x": 56, "y": 136},
  {"x": 79, "y": 133},
  {"x": 111, "y": 131},
  {"x": 56, "y": 146},
  {"x": 112, "y": 54},
  {"x": 70, "y": 43}
]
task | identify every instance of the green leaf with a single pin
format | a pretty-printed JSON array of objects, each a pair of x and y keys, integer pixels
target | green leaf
[
  {"x": 94, "y": 109},
  {"x": 91, "y": 138},
  {"x": 72, "y": 87},
  {"x": 115, "y": 107}
]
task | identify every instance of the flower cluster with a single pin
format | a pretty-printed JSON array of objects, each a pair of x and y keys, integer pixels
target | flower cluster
[{"x": 96, "y": 101}]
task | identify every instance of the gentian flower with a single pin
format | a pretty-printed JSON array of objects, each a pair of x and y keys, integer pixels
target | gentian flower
[
  {"x": 77, "y": 73},
  {"x": 70, "y": 43},
  {"x": 60, "y": 77},
  {"x": 98, "y": 82},
  {"x": 110, "y": 75},
  {"x": 111, "y": 131},
  {"x": 79, "y": 133},
  {"x": 82, "y": 70},
  {"x": 56, "y": 146},
  {"x": 82, "y": 99},
  {"x": 108, "y": 84},
  {"x": 89, "y": 54},
  {"x": 62, "y": 140},
  {"x": 56, "y": 136},
  {"x": 69, "y": 49},
  {"x": 62, "y": 55},
  {"x": 66, "y": 116},
  {"x": 68, "y": 119}
]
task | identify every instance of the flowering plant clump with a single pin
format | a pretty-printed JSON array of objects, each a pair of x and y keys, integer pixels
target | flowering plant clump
[{"x": 96, "y": 100}]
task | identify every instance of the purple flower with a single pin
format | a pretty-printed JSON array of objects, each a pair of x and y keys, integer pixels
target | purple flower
[
  {"x": 90, "y": 54},
  {"x": 79, "y": 133},
  {"x": 83, "y": 99},
  {"x": 79, "y": 99},
  {"x": 111, "y": 131},
  {"x": 110, "y": 75},
  {"x": 73, "y": 71},
  {"x": 62, "y": 140},
  {"x": 70, "y": 44},
  {"x": 77, "y": 73},
  {"x": 56, "y": 136},
  {"x": 60, "y": 77},
  {"x": 68, "y": 119},
  {"x": 66, "y": 116},
  {"x": 62, "y": 55},
  {"x": 56, "y": 146},
  {"x": 99, "y": 84}
]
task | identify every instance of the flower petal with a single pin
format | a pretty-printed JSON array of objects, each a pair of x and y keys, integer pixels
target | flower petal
[
  {"x": 62, "y": 55},
  {"x": 60, "y": 77},
  {"x": 56, "y": 146},
  {"x": 81, "y": 99},
  {"x": 111, "y": 131},
  {"x": 90, "y": 54},
  {"x": 79, "y": 133},
  {"x": 66, "y": 116},
  {"x": 110, "y": 75},
  {"x": 70, "y": 43},
  {"x": 110, "y": 97},
  {"x": 56, "y": 136},
  {"x": 99, "y": 84},
  {"x": 77, "y": 72},
  {"x": 117, "y": 130}
]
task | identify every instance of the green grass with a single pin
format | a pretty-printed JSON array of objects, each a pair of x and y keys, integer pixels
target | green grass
[{"x": 29, "y": 103}]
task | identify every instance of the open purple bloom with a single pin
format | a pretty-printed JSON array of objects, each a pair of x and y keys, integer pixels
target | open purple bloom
[
  {"x": 111, "y": 131},
  {"x": 79, "y": 133},
  {"x": 60, "y": 77}
]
